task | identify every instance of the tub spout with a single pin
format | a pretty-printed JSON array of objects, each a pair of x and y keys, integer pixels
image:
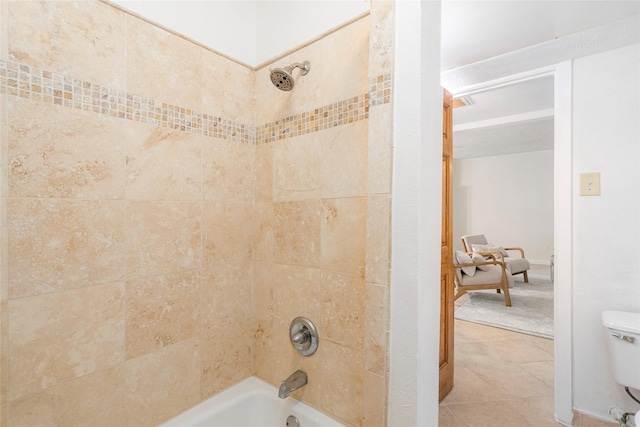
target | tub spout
[{"x": 294, "y": 382}]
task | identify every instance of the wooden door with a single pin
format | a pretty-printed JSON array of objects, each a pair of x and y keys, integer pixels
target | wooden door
[{"x": 446, "y": 265}]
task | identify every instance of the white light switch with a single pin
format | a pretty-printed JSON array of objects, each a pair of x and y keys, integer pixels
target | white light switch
[{"x": 590, "y": 184}]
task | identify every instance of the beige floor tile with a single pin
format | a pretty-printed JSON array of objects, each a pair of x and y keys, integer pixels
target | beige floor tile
[
  {"x": 536, "y": 410},
  {"x": 520, "y": 351},
  {"x": 582, "y": 420},
  {"x": 467, "y": 331},
  {"x": 473, "y": 354},
  {"x": 502, "y": 378},
  {"x": 447, "y": 419},
  {"x": 514, "y": 381},
  {"x": 541, "y": 370},
  {"x": 469, "y": 387},
  {"x": 542, "y": 343},
  {"x": 488, "y": 414}
]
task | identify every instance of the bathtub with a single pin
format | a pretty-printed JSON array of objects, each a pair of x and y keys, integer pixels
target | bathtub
[{"x": 250, "y": 403}]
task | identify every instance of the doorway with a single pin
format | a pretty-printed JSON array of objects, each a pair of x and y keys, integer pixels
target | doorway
[{"x": 561, "y": 74}]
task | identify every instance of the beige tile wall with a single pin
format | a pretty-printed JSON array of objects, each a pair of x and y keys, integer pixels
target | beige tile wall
[
  {"x": 160, "y": 231},
  {"x": 321, "y": 221}
]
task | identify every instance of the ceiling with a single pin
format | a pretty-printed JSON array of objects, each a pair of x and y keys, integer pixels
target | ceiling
[
  {"x": 518, "y": 118},
  {"x": 474, "y": 30},
  {"x": 507, "y": 120}
]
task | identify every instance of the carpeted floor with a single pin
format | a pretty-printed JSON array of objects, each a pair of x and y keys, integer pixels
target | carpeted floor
[{"x": 531, "y": 310}]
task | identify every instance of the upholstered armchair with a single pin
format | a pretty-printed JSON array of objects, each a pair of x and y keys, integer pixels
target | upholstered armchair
[
  {"x": 474, "y": 273},
  {"x": 515, "y": 264}
]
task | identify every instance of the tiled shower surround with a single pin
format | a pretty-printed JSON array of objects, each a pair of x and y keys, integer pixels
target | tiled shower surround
[{"x": 166, "y": 213}]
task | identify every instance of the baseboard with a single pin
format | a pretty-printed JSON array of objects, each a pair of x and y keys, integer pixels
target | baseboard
[
  {"x": 584, "y": 419},
  {"x": 540, "y": 262}
]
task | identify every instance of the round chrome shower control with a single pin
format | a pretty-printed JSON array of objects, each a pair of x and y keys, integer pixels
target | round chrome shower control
[{"x": 304, "y": 336}]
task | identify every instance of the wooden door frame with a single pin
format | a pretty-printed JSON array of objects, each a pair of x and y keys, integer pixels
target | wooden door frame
[
  {"x": 446, "y": 377},
  {"x": 563, "y": 251}
]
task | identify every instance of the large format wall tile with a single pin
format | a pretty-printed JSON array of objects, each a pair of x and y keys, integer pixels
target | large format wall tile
[
  {"x": 227, "y": 357},
  {"x": 380, "y": 149},
  {"x": 62, "y": 152},
  {"x": 62, "y": 244},
  {"x": 162, "y": 237},
  {"x": 381, "y": 37},
  {"x": 226, "y": 326},
  {"x": 227, "y": 171},
  {"x": 162, "y": 384},
  {"x": 263, "y": 174},
  {"x": 297, "y": 168},
  {"x": 273, "y": 104},
  {"x": 343, "y": 234},
  {"x": 49, "y": 345},
  {"x": 344, "y": 161},
  {"x": 226, "y": 233},
  {"x": 374, "y": 403},
  {"x": 338, "y": 374},
  {"x": 225, "y": 296},
  {"x": 378, "y": 263},
  {"x": 263, "y": 240},
  {"x": 335, "y": 372},
  {"x": 228, "y": 89},
  {"x": 162, "y": 164},
  {"x": 163, "y": 66},
  {"x": 375, "y": 327},
  {"x": 96, "y": 400},
  {"x": 345, "y": 57},
  {"x": 83, "y": 39},
  {"x": 274, "y": 357},
  {"x": 296, "y": 232},
  {"x": 263, "y": 291},
  {"x": 161, "y": 310},
  {"x": 218, "y": 243},
  {"x": 4, "y": 361},
  {"x": 334, "y": 301}
]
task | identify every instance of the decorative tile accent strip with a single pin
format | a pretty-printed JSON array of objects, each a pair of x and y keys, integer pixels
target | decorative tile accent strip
[
  {"x": 28, "y": 82},
  {"x": 336, "y": 114},
  {"x": 380, "y": 89}
]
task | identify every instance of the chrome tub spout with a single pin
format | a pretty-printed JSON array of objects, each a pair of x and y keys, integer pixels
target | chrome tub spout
[{"x": 291, "y": 384}]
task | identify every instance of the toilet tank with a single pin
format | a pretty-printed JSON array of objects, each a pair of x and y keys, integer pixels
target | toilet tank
[{"x": 623, "y": 340}]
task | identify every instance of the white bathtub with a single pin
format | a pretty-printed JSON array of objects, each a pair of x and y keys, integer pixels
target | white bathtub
[{"x": 250, "y": 403}]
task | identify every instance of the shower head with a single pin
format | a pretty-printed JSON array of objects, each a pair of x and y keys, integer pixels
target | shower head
[{"x": 282, "y": 78}]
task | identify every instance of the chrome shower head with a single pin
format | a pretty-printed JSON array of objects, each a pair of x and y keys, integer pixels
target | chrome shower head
[{"x": 282, "y": 78}]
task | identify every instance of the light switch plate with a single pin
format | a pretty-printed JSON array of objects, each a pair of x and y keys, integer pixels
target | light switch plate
[{"x": 590, "y": 184}]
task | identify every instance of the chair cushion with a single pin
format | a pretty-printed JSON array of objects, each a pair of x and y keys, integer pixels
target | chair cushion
[
  {"x": 517, "y": 265},
  {"x": 473, "y": 239},
  {"x": 490, "y": 247},
  {"x": 463, "y": 258},
  {"x": 479, "y": 258},
  {"x": 492, "y": 275}
]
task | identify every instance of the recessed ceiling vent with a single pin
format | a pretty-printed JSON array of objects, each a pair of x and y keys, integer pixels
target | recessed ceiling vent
[{"x": 462, "y": 101}]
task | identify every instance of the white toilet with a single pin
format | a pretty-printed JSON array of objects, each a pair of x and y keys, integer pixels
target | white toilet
[
  {"x": 623, "y": 332},
  {"x": 623, "y": 340}
]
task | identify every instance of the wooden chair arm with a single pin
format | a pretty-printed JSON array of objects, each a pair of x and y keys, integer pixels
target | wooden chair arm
[
  {"x": 515, "y": 248},
  {"x": 471, "y": 264},
  {"x": 492, "y": 254}
]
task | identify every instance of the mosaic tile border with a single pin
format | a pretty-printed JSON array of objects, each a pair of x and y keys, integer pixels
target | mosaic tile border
[{"x": 52, "y": 88}]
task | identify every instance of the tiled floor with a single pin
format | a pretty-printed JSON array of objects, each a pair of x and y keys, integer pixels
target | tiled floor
[{"x": 502, "y": 378}]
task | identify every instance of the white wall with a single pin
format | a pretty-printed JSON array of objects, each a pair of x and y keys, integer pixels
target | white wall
[
  {"x": 416, "y": 229},
  {"x": 606, "y": 229},
  {"x": 250, "y": 31},
  {"x": 507, "y": 198}
]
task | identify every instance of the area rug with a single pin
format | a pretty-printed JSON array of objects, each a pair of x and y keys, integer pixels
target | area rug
[{"x": 531, "y": 310}]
